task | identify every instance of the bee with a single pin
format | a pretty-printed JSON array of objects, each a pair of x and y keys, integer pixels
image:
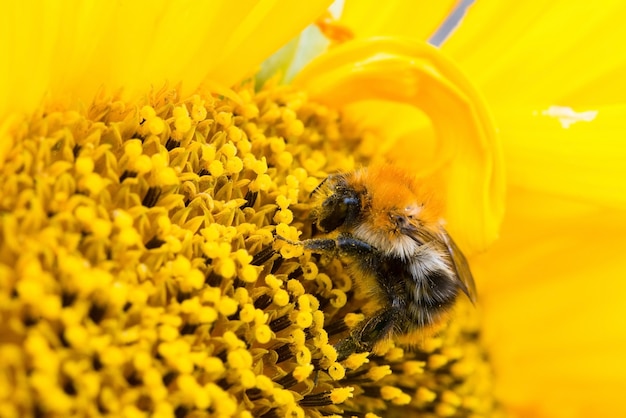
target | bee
[{"x": 383, "y": 221}]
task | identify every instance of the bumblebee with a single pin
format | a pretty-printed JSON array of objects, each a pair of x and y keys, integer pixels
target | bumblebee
[{"x": 384, "y": 222}]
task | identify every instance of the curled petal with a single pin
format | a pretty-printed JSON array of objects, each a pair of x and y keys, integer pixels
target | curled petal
[{"x": 467, "y": 157}]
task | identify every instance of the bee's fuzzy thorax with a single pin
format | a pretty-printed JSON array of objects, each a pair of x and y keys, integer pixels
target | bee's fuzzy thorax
[{"x": 391, "y": 189}]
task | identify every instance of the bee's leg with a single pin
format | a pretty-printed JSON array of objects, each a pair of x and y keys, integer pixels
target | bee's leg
[
  {"x": 320, "y": 245},
  {"x": 317, "y": 245},
  {"x": 367, "y": 335},
  {"x": 346, "y": 347},
  {"x": 346, "y": 244},
  {"x": 351, "y": 246}
]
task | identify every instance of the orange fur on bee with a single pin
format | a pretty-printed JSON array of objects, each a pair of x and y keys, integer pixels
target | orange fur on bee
[{"x": 394, "y": 190}]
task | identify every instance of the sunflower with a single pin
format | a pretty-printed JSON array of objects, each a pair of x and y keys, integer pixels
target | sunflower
[{"x": 145, "y": 177}]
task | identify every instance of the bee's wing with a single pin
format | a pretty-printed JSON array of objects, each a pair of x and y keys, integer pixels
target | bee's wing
[
  {"x": 459, "y": 262},
  {"x": 461, "y": 267}
]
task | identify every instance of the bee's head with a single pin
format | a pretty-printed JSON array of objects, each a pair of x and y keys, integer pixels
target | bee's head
[
  {"x": 399, "y": 214},
  {"x": 341, "y": 206}
]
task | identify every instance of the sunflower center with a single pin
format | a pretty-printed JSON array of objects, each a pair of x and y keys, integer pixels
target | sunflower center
[{"x": 139, "y": 273}]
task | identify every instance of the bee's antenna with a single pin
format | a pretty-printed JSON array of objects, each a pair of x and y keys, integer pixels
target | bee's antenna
[{"x": 319, "y": 186}]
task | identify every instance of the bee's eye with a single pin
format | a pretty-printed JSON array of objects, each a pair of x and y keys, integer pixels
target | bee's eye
[{"x": 337, "y": 210}]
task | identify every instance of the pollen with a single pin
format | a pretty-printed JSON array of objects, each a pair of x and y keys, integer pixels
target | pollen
[
  {"x": 395, "y": 395},
  {"x": 263, "y": 334},
  {"x": 437, "y": 361},
  {"x": 356, "y": 360},
  {"x": 283, "y": 216},
  {"x": 425, "y": 395},
  {"x": 310, "y": 271},
  {"x": 413, "y": 367},
  {"x": 301, "y": 373},
  {"x": 140, "y": 274},
  {"x": 338, "y": 298},
  {"x": 377, "y": 373},
  {"x": 281, "y": 297},
  {"x": 353, "y": 319},
  {"x": 248, "y": 274},
  {"x": 337, "y": 371},
  {"x": 340, "y": 395}
]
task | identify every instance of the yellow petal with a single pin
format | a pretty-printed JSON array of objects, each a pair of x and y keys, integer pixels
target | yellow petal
[
  {"x": 565, "y": 152},
  {"x": 418, "y": 20},
  {"x": 543, "y": 51},
  {"x": 260, "y": 32},
  {"x": 416, "y": 74},
  {"x": 69, "y": 50},
  {"x": 552, "y": 295}
]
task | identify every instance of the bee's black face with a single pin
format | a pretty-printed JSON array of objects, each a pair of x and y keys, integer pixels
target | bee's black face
[{"x": 338, "y": 209}]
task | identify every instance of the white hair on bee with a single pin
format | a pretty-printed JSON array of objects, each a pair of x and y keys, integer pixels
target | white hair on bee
[
  {"x": 428, "y": 260},
  {"x": 401, "y": 246}
]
